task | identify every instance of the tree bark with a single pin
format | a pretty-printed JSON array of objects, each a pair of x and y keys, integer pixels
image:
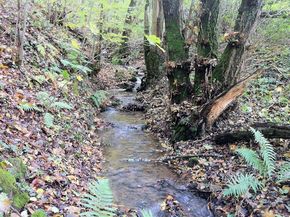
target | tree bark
[
  {"x": 98, "y": 45},
  {"x": 177, "y": 65},
  {"x": 207, "y": 48},
  {"x": 207, "y": 45},
  {"x": 21, "y": 29},
  {"x": 152, "y": 54},
  {"x": 227, "y": 71},
  {"x": 127, "y": 31}
]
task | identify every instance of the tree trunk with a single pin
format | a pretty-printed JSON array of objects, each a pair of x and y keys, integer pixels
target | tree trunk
[
  {"x": 153, "y": 56},
  {"x": 98, "y": 45},
  {"x": 207, "y": 48},
  {"x": 177, "y": 53},
  {"x": 207, "y": 45},
  {"x": 21, "y": 29},
  {"x": 127, "y": 31},
  {"x": 227, "y": 71}
]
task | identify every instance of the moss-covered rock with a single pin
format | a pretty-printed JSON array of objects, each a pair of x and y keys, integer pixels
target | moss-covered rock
[
  {"x": 7, "y": 182},
  {"x": 39, "y": 213},
  {"x": 20, "y": 200}
]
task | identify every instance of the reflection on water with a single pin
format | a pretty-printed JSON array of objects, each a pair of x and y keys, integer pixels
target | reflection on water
[{"x": 136, "y": 184}]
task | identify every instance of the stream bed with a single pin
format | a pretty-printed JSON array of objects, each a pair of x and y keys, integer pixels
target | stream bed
[{"x": 137, "y": 181}]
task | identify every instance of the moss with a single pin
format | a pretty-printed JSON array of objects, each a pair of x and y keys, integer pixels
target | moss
[
  {"x": 39, "y": 213},
  {"x": 20, "y": 200},
  {"x": 7, "y": 182},
  {"x": 175, "y": 41}
]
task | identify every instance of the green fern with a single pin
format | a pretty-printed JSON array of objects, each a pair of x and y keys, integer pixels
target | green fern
[
  {"x": 28, "y": 107},
  {"x": 146, "y": 213},
  {"x": 252, "y": 158},
  {"x": 99, "y": 97},
  {"x": 240, "y": 184},
  {"x": 48, "y": 120},
  {"x": 266, "y": 150},
  {"x": 45, "y": 98},
  {"x": 61, "y": 105},
  {"x": 99, "y": 200},
  {"x": 284, "y": 172}
]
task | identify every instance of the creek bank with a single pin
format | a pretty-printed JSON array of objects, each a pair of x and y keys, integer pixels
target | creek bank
[{"x": 210, "y": 173}]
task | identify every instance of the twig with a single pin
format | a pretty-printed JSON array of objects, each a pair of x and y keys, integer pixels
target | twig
[{"x": 190, "y": 156}]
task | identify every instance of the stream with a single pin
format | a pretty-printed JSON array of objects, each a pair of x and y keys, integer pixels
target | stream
[{"x": 141, "y": 184}]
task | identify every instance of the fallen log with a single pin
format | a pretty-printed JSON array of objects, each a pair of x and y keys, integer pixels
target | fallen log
[{"x": 269, "y": 130}]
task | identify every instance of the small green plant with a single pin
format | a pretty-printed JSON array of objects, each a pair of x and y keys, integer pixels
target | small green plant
[
  {"x": 48, "y": 120},
  {"x": 241, "y": 184},
  {"x": 99, "y": 200},
  {"x": 39, "y": 213},
  {"x": 20, "y": 200},
  {"x": 262, "y": 161},
  {"x": 99, "y": 97},
  {"x": 29, "y": 107},
  {"x": 284, "y": 172},
  {"x": 49, "y": 102}
]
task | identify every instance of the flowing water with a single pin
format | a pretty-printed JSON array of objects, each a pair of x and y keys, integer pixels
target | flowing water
[{"x": 138, "y": 183}]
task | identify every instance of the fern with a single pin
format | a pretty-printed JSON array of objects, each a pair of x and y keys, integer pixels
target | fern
[
  {"x": 48, "y": 120},
  {"x": 240, "y": 184},
  {"x": 99, "y": 97},
  {"x": 28, "y": 107},
  {"x": 284, "y": 172},
  {"x": 99, "y": 200},
  {"x": 146, "y": 213},
  {"x": 252, "y": 158},
  {"x": 49, "y": 101},
  {"x": 266, "y": 150},
  {"x": 61, "y": 105}
]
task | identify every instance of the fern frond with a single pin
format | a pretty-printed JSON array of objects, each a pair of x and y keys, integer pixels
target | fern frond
[
  {"x": 146, "y": 213},
  {"x": 284, "y": 172},
  {"x": 99, "y": 200},
  {"x": 252, "y": 158},
  {"x": 28, "y": 107},
  {"x": 61, "y": 105},
  {"x": 48, "y": 120},
  {"x": 240, "y": 184},
  {"x": 266, "y": 150},
  {"x": 99, "y": 97},
  {"x": 45, "y": 98}
]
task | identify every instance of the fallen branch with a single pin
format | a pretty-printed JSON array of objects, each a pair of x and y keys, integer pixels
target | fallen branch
[
  {"x": 269, "y": 130},
  {"x": 214, "y": 109},
  {"x": 189, "y": 156}
]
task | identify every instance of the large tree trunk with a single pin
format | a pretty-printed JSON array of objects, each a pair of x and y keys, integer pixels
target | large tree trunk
[
  {"x": 177, "y": 54},
  {"x": 227, "y": 71},
  {"x": 219, "y": 88},
  {"x": 207, "y": 48},
  {"x": 207, "y": 45},
  {"x": 153, "y": 56},
  {"x": 127, "y": 31}
]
